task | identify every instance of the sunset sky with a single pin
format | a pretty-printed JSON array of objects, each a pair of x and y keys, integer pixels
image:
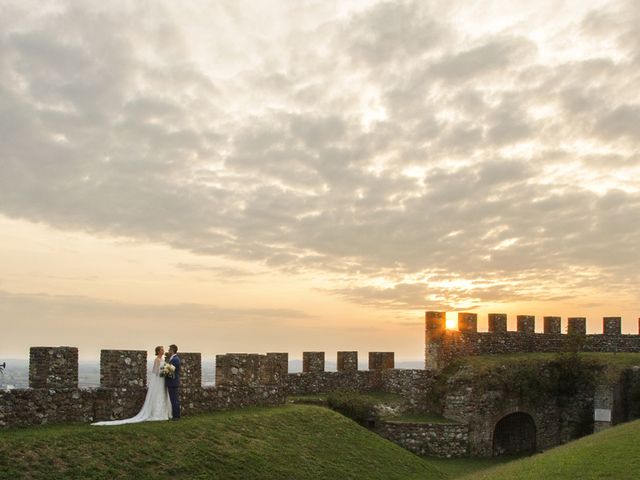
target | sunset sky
[{"x": 253, "y": 176}]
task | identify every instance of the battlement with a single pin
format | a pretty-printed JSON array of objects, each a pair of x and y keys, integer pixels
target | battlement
[
  {"x": 53, "y": 367},
  {"x": 442, "y": 345},
  {"x": 251, "y": 369},
  {"x": 123, "y": 368},
  {"x": 242, "y": 379},
  {"x": 57, "y": 367}
]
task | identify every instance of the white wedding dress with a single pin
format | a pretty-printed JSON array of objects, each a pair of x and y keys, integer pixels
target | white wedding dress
[{"x": 156, "y": 404}]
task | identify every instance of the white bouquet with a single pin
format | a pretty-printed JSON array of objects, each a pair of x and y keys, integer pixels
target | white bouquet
[{"x": 167, "y": 370}]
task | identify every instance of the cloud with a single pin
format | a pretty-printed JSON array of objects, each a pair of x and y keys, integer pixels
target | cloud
[
  {"x": 621, "y": 122},
  {"x": 74, "y": 310},
  {"x": 388, "y": 142},
  {"x": 393, "y": 32},
  {"x": 490, "y": 57},
  {"x": 221, "y": 274}
]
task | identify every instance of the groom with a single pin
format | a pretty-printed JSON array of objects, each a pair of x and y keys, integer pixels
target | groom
[{"x": 173, "y": 383}]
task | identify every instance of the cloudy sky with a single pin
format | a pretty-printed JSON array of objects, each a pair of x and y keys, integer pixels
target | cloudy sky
[{"x": 313, "y": 175}]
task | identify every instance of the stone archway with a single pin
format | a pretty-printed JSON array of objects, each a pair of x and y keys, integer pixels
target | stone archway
[{"x": 513, "y": 434}]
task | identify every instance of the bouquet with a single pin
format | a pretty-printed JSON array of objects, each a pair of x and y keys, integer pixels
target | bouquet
[{"x": 167, "y": 370}]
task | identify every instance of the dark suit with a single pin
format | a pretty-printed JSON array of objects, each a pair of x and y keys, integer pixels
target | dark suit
[{"x": 173, "y": 386}]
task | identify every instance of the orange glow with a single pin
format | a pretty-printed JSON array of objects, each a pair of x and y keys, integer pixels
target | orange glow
[{"x": 452, "y": 321}]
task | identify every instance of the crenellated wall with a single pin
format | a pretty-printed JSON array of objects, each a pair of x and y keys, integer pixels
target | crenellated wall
[
  {"x": 381, "y": 376},
  {"x": 251, "y": 379},
  {"x": 442, "y": 346},
  {"x": 242, "y": 379},
  {"x": 54, "y": 396},
  {"x": 480, "y": 406}
]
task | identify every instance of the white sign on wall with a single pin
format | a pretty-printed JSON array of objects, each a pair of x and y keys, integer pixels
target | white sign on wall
[{"x": 602, "y": 415}]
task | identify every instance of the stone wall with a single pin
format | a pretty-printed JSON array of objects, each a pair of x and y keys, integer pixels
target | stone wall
[
  {"x": 241, "y": 379},
  {"x": 53, "y": 367},
  {"x": 472, "y": 400},
  {"x": 190, "y": 370},
  {"x": 631, "y": 394},
  {"x": 56, "y": 398},
  {"x": 474, "y": 405},
  {"x": 123, "y": 368},
  {"x": 552, "y": 325},
  {"x": 275, "y": 368},
  {"x": 42, "y": 406},
  {"x": 444, "y": 440},
  {"x": 310, "y": 383},
  {"x": 414, "y": 385},
  {"x": 443, "y": 346},
  {"x": 381, "y": 360},
  {"x": 251, "y": 369},
  {"x": 347, "y": 361},
  {"x": 313, "y": 362}
]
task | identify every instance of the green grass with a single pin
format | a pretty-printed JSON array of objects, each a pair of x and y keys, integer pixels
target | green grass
[
  {"x": 318, "y": 399},
  {"x": 376, "y": 397},
  {"x": 418, "y": 418},
  {"x": 459, "y": 467},
  {"x": 291, "y": 442},
  {"x": 385, "y": 398},
  {"x": 615, "y": 362},
  {"x": 618, "y": 360},
  {"x": 612, "y": 454}
]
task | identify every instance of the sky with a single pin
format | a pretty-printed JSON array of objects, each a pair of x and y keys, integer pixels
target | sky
[{"x": 242, "y": 176}]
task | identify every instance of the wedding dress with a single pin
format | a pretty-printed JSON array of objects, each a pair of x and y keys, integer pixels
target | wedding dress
[{"x": 156, "y": 404}]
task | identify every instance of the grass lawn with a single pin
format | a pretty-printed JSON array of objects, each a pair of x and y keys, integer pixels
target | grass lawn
[
  {"x": 615, "y": 362},
  {"x": 385, "y": 398},
  {"x": 317, "y": 399},
  {"x": 291, "y": 442},
  {"x": 612, "y": 453},
  {"x": 418, "y": 418},
  {"x": 459, "y": 467}
]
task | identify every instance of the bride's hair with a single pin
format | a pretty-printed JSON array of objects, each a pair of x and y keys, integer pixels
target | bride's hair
[{"x": 158, "y": 348}]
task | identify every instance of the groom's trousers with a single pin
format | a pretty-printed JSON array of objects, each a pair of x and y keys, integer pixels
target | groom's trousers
[{"x": 174, "y": 397}]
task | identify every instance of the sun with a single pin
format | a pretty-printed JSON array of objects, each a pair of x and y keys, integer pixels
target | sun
[{"x": 452, "y": 321}]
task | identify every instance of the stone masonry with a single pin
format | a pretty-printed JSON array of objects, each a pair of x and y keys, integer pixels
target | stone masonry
[
  {"x": 443, "y": 346},
  {"x": 190, "y": 370},
  {"x": 552, "y": 325},
  {"x": 313, "y": 361},
  {"x": 576, "y": 326},
  {"x": 480, "y": 416},
  {"x": 123, "y": 368},
  {"x": 526, "y": 323},
  {"x": 347, "y": 361},
  {"x": 381, "y": 360},
  {"x": 445, "y": 440},
  {"x": 54, "y": 396},
  {"x": 239, "y": 369},
  {"x": 51, "y": 367}
]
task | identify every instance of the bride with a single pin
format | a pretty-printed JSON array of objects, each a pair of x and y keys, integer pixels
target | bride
[{"x": 156, "y": 404}]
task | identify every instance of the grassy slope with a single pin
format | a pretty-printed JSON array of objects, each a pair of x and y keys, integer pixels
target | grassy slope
[
  {"x": 301, "y": 442},
  {"x": 612, "y": 453},
  {"x": 617, "y": 361}
]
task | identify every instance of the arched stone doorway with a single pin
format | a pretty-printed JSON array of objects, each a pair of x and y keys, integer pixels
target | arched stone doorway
[{"x": 515, "y": 433}]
